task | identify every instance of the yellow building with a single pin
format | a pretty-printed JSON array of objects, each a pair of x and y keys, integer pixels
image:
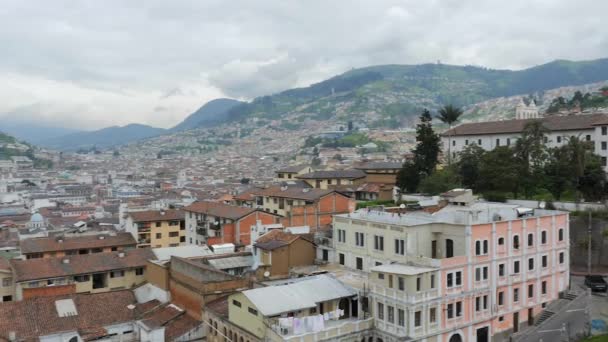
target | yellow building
[
  {"x": 310, "y": 309},
  {"x": 7, "y": 287},
  {"x": 328, "y": 179},
  {"x": 157, "y": 228},
  {"x": 88, "y": 273}
]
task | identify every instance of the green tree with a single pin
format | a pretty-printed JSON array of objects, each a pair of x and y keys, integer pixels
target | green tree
[
  {"x": 428, "y": 146},
  {"x": 558, "y": 171},
  {"x": 408, "y": 177},
  {"x": 440, "y": 181},
  {"x": 592, "y": 184},
  {"x": 468, "y": 165},
  {"x": 497, "y": 172},
  {"x": 531, "y": 151},
  {"x": 449, "y": 115}
]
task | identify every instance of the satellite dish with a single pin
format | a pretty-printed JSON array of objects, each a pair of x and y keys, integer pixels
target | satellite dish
[
  {"x": 542, "y": 205},
  {"x": 266, "y": 274},
  {"x": 402, "y": 206}
]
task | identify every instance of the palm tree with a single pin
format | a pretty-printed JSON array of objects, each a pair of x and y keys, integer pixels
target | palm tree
[{"x": 449, "y": 115}]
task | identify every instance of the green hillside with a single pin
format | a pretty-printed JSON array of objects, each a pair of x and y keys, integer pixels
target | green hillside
[{"x": 395, "y": 93}]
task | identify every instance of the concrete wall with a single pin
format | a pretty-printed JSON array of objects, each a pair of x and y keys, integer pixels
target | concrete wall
[{"x": 7, "y": 286}]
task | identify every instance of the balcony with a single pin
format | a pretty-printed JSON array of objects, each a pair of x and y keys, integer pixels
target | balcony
[{"x": 331, "y": 330}]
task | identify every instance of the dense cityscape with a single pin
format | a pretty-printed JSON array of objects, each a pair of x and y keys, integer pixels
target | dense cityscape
[{"x": 375, "y": 202}]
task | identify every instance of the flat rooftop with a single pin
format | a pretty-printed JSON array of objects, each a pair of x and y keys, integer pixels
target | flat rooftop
[{"x": 476, "y": 213}]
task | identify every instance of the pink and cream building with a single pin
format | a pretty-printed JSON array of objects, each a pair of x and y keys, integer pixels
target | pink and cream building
[{"x": 472, "y": 271}]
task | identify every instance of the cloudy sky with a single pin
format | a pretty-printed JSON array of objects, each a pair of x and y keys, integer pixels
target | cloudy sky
[{"x": 89, "y": 64}]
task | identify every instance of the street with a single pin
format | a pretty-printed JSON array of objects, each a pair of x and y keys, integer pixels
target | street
[{"x": 573, "y": 320}]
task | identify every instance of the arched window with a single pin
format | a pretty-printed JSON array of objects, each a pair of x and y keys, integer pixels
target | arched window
[
  {"x": 456, "y": 338},
  {"x": 501, "y": 241},
  {"x": 561, "y": 234},
  {"x": 516, "y": 241},
  {"x": 478, "y": 247},
  {"x": 543, "y": 237},
  {"x": 74, "y": 339}
]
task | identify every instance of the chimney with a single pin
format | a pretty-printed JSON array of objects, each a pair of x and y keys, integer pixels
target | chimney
[
  {"x": 12, "y": 336},
  {"x": 66, "y": 261}
]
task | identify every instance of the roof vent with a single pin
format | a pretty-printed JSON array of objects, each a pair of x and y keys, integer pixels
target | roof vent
[
  {"x": 130, "y": 306},
  {"x": 66, "y": 261},
  {"x": 305, "y": 190},
  {"x": 284, "y": 187},
  {"x": 121, "y": 255},
  {"x": 60, "y": 240},
  {"x": 101, "y": 237},
  {"x": 162, "y": 213}
]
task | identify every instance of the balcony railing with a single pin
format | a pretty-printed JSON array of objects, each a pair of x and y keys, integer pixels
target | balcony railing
[{"x": 331, "y": 330}]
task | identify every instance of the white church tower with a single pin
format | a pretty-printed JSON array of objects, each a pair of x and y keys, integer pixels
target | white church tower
[{"x": 526, "y": 112}]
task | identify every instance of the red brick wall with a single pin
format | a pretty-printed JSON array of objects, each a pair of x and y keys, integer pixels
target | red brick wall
[
  {"x": 320, "y": 213},
  {"x": 49, "y": 291}
]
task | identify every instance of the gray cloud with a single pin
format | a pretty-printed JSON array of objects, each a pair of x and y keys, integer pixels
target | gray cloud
[{"x": 97, "y": 63}]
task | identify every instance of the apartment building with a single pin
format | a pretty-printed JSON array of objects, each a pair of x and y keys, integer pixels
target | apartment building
[
  {"x": 304, "y": 206},
  {"x": 91, "y": 273},
  {"x": 304, "y": 309},
  {"x": 489, "y": 135},
  {"x": 291, "y": 172},
  {"x": 469, "y": 272},
  {"x": 52, "y": 247},
  {"x": 327, "y": 179},
  {"x": 192, "y": 284},
  {"x": 216, "y": 223},
  {"x": 157, "y": 228},
  {"x": 277, "y": 251}
]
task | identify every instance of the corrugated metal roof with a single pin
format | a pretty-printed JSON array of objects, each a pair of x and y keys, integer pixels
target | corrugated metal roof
[
  {"x": 232, "y": 262},
  {"x": 274, "y": 300}
]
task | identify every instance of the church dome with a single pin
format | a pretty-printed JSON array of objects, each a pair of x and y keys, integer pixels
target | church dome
[{"x": 36, "y": 218}]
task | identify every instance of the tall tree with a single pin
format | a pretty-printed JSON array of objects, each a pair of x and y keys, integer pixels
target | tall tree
[
  {"x": 449, "y": 115},
  {"x": 468, "y": 165},
  {"x": 531, "y": 151},
  {"x": 428, "y": 146},
  {"x": 558, "y": 171},
  {"x": 408, "y": 177}
]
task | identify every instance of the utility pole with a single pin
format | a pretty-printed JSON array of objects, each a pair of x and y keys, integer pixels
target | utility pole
[{"x": 589, "y": 245}]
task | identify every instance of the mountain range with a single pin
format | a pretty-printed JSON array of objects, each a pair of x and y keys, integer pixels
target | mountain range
[
  {"x": 382, "y": 96},
  {"x": 211, "y": 113}
]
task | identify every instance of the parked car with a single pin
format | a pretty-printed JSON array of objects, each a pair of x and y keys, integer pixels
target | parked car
[{"x": 596, "y": 283}]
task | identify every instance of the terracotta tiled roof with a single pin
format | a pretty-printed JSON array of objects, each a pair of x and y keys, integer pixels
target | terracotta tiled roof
[
  {"x": 34, "y": 317},
  {"x": 179, "y": 326},
  {"x": 162, "y": 316},
  {"x": 33, "y": 269},
  {"x": 379, "y": 166},
  {"x": 552, "y": 123},
  {"x": 52, "y": 244},
  {"x": 292, "y": 169},
  {"x": 219, "y": 209},
  {"x": 308, "y": 194},
  {"x": 4, "y": 265},
  {"x": 245, "y": 196},
  {"x": 157, "y": 215},
  {"x": 343, "y": 174},
  {"x": 277, "y": 238},
  {"x": 218, "y": 307}
]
